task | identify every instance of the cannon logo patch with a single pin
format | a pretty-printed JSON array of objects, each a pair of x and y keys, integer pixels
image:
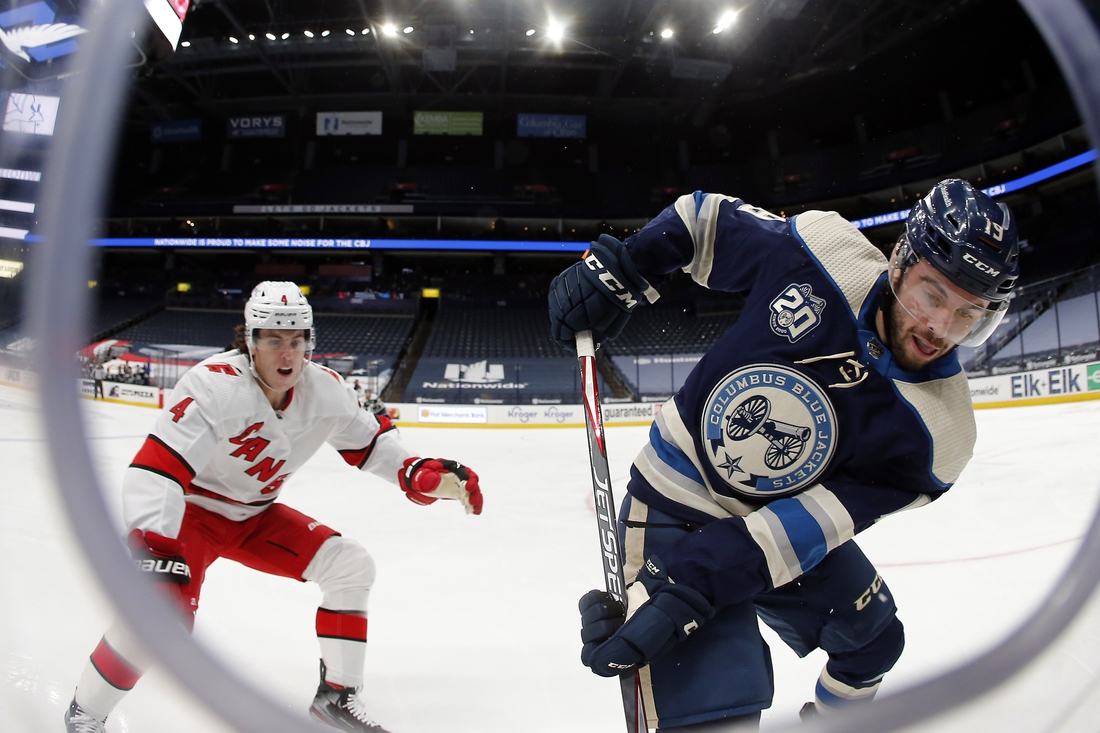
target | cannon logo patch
[{"x": 768, "y": 431}]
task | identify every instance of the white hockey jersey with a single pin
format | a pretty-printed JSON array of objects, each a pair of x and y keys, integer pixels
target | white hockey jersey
[{"x": 219, "y": 444}]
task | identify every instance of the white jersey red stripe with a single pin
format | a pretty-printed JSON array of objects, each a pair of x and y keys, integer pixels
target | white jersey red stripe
[{"x": 220, "y": 445}]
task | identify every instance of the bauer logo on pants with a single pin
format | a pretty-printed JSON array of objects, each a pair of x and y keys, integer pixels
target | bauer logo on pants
[{"x": 768, "y": 431}]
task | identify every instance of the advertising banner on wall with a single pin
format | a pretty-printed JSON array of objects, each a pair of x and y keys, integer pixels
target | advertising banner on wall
[
  {"x": 447, "y": 123},
  {"x": 520, "y": 416},
  {"x": 349, "y": 123},
  {"x": 176, "y": 131},
  {"x": 538, "y": 125},
  {"x": 130, "y": 394},
  {"x": 12, "y": 377},
  {"x": 255, "y": 126},
  {"x": 1067, "y": 383}
]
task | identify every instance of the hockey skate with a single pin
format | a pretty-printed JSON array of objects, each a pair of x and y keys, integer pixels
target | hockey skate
[
  {"x": 341, "y": 709},
  {"x": 78, "y": 721}
]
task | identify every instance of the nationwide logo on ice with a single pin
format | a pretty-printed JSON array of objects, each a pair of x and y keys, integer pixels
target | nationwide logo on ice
[{"x": 768, "y": 431}]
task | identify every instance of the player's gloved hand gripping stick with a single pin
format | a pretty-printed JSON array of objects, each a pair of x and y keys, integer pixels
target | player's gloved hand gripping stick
[{"x": 605, "y": 517}]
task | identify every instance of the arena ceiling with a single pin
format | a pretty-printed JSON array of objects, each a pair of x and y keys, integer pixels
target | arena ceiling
[{"x": 605, "y": 57}]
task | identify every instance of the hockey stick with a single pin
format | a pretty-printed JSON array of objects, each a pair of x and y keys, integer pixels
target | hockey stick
[{"x": 605, "y": 515}]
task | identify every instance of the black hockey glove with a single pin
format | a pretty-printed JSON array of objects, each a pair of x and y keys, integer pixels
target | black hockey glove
[
  {"x": 666, "y": 614},
  {"x": 598, "y": 294},
  {"x": 160, "y": 558}
]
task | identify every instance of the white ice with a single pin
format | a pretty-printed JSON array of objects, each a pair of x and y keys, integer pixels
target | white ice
[{"x": 473, "y": 622}]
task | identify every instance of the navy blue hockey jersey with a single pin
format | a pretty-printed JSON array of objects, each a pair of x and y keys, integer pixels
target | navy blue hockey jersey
[{"x": 797, "y": 429}]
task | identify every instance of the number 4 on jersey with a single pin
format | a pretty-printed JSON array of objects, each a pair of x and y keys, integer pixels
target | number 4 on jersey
[{"x": 180, "y": 408}]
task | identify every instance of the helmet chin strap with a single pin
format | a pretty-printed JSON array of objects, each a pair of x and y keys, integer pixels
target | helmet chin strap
[{"x": 256, "y": 374}]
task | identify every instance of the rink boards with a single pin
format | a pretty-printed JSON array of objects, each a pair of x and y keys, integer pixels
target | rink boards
[{"x": 1054, "y": 384}]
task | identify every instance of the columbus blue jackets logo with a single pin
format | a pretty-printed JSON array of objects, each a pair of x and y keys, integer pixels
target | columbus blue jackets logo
[
  {"x": 768, "y": 431},
  {"x": 796, "y": 311}
]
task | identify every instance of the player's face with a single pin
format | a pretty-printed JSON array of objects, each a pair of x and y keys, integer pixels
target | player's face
[
  {"x": 927, "y": 315},
  {"x": 279, "y": 357}
]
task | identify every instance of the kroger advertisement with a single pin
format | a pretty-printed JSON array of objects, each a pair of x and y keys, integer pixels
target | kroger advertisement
[
  {"x": 1068, "y": 383},
  {"x": 518, "y": 416}
]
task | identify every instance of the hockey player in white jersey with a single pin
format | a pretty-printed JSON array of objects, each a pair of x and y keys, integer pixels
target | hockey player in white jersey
[
  {"x": 835, "y": 400},
  {"x": 205, "y": 485}
]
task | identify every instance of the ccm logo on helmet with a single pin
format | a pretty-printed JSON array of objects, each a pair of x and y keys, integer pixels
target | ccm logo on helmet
[
  {"x": 981, "y": 265},
  {"x": 609, "y": 281}
]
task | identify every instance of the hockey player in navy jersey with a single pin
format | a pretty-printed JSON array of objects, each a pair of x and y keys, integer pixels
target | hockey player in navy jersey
[
  {"x": 205, "y": 484},
  {"x": 835, "y": 400}
]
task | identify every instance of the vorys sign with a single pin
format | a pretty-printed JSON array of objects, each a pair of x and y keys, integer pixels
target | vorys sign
[{"x": 256, "y": 126}]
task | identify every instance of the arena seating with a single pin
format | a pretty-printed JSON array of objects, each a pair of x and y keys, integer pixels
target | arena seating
[
  {"x": 466, "y": 331},
  {"x": 488, "y": 354},
  {"x": 364, "y": 336},
  {"x": 669, "y": 330},
  {"x": 1070, "y": 325},
  {"x": 114, "y": 313},
  {"x": 345, "y": 185}
]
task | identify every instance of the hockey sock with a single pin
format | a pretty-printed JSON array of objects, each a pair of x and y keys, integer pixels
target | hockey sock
[
  {"x": 105, "y": 681},
  {"x": 831, "y": 694},
  {"x": 854, "y": 677},
  {"x": 345, "y": 572},
  {"x": 343, "y": 639}
]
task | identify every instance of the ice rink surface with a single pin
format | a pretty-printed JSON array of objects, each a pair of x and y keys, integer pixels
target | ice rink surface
[{"x": 473, "y": 622}]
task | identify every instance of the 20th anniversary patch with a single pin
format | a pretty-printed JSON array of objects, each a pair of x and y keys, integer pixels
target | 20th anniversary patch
[{"x": 768, "y": 430}]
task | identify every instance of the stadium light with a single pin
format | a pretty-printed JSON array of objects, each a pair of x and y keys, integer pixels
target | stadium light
[
  {"x": 324, "y": 34},
  {"x": 365, "y": 31},
  {"x": 389, "y": 29},
  {"x": 251, "y": 37},
  {"x": 233, "y": 40},
  {"x": 666, "y": 33},
  {"x": 349, "y": 31},
  {"x": 308, "y": 34},
  {"x": 556, "y": 31},
  {"x": 186, "y": 44},
  {"x": 407, "y": 30},
  {"x": 285, "y": 36},
  {"x": 270, "y": 36},
  {"x": 728, "y": 18},
  {"x": 530, "y": 32}
]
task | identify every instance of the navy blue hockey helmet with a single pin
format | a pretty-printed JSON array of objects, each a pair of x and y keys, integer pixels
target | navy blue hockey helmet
[
  {"x": 971, "y": 241},
  {"x": 968, "y": 237}
]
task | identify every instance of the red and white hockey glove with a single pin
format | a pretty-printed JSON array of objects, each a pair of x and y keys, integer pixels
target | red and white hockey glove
[
  {"x": 424, "y": 480},
  {"x": 159, "y": 557}
]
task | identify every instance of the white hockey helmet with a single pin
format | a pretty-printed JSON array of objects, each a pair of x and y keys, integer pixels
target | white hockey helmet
[{"x": 279, "y": 305}]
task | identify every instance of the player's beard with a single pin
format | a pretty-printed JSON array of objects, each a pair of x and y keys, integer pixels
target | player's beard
[{"x": 898, "y": 331}]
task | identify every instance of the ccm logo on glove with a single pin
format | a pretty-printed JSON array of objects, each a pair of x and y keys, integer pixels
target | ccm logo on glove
[
  {"x": 426, "y": 480},
  {"x": 609, "y": 281}
]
